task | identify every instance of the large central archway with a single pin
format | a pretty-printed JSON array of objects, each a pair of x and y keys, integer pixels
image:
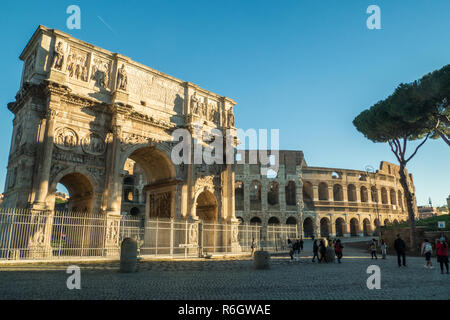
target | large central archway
[{"x": 153, "y": 187}]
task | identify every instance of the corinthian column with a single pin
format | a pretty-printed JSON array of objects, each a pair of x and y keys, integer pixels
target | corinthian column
[
  {"x": 113, "y": 183},
  {"x": 46, "y": 157}
]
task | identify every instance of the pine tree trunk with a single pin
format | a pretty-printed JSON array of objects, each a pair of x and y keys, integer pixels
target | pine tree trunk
[{"x": 410, "y": 208}]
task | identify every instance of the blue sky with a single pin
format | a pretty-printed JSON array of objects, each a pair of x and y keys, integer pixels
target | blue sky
[{"x": 304, "y": 67}]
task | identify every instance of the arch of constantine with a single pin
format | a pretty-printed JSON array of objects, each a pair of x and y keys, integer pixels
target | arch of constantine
[{"x": 83, "y": 113}]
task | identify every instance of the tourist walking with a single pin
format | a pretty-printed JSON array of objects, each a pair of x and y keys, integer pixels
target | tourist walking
[
  {"x": 400, "y": 248},
  {"x": 301, "y": 244},
  {"x": 291, "y": 249},
  {"x": 296, "y": 249},
  {"x": 373, "y": 249},
  {"x": 253, "y": 246},
  {"x": 426, "y": 250},
  {"x": 322, "y": 251},
  {"x": 315, "y": 251},
  {"x": 383, "y": 249},
  {"x": 338, "y": 250},
  {"x": 442, "y": 253}
]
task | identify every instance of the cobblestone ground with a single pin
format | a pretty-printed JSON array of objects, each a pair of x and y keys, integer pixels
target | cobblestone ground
[{"x": 230, "y": 279}]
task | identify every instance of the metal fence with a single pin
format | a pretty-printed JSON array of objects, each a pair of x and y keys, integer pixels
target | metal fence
[
  {"x": 43, "y": 235},
  {"x": 277, "y": 236},
  {"x": 30, "y": 234}
]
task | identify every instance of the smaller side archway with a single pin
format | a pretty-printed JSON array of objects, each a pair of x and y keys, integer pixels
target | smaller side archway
[
  {"x": 206, "y": 206},
  {"x": 308, "y": 227}
]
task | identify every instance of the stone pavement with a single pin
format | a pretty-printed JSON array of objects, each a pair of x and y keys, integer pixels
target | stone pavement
[{"x": 230, "y": 279}]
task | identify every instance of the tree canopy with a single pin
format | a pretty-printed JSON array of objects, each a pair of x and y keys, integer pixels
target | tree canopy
[{"x": 414, "y": 110}]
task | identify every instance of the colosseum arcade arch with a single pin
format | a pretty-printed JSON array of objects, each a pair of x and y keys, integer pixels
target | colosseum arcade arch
[
  {"x": 308, "y": 227},
  {"x": 340, "y": 227},
  {"x": 324, "y": 227},
  {"x": 354, "y": 227},
  {"x": 367, "y": 229}
]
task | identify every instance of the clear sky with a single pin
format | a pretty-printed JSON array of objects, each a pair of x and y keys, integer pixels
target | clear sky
[{"x": 304, "y": 67}]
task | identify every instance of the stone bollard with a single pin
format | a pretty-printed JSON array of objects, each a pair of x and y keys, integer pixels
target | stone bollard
[
  {"x": 261, "y": 260},
  {"x": 128, "y": 255}
]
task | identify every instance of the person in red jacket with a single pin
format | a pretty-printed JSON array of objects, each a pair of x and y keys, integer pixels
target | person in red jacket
[
  {"x": 442, "y": 253},
  {"x": 338, "y": 250}
]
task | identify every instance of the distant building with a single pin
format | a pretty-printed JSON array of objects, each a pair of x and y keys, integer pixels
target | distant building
[{"x": 428, "y": 212}]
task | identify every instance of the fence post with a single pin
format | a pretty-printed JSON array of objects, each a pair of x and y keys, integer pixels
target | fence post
[
  {"x": 171, "y": 237},
  {"x": 186, "y": 237},
  {"x": 60, "y": 232},
  {"x": 11, "y": 229},
  {"x": 156, "y": 240}
]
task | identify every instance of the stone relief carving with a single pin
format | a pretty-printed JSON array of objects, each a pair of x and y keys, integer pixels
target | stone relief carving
[
  {"x": 213, "y": 113},
  {"x": 77, "y": 65},
  {"x": 66, "y": 138},
  {"x": 204, "y": 182},
  {"x": 194, "y": 103},
  {"x": 56, "y": 168},
  {"x": 12, "y": 178},
  {"x": 193, "y": 233},
  {"x": 29, "y": 65},
  {"x": 113, "y": 231},
  {"x": 160, "y": 204},
  {"x": 152, "y": 87},
  {"x": 58, "y": 57},
  {"x": 131, "y": 138},
  {"x": 68, "y": 157},
  {"x": 234, "y": 233},
  {"x": 96, "y": 172},
  {"x": 230, "y": 118},
  {"x": 38, "y": 237},
  {"x": 122, "y": 78},
  {"x": 93, "y": 144},
  {"x": 100, "y": 72},
  {"x": 18, "y": 139}
]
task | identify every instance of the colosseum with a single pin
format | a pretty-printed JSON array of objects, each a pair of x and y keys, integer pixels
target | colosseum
[{"x": 329, "y": 201}]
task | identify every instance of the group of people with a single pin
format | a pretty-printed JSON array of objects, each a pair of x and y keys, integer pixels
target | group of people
[
  {"x": 295, "y": 248},
  {"x": 320, "y": 248},
  {"x": 441, "y": 246}
]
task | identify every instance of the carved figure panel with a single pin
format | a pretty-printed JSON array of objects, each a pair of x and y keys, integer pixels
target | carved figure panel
[
  {"x": 100, "y": 72},
  {"x": 58, "y": 57},
  {"x": 66, "y": 138},
  {"x": 93, "y": 144},
  {"x": 77, "y": 64},
  {"x": 122, "y": 78},
  {"x": 160, "y": 205}
]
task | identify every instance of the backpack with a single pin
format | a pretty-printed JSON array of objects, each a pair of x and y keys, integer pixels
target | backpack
[{"x": 428, "y": 247}]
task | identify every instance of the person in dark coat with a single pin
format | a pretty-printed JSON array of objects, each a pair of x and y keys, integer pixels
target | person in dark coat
[
  {"x": 400, "y": 248},
  {"x": 315, "y": 251},
  {"x": 322, "y": 251}
]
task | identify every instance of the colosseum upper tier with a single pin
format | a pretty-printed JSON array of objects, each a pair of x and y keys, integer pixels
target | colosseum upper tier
[{"x": 329, "y": 201}]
